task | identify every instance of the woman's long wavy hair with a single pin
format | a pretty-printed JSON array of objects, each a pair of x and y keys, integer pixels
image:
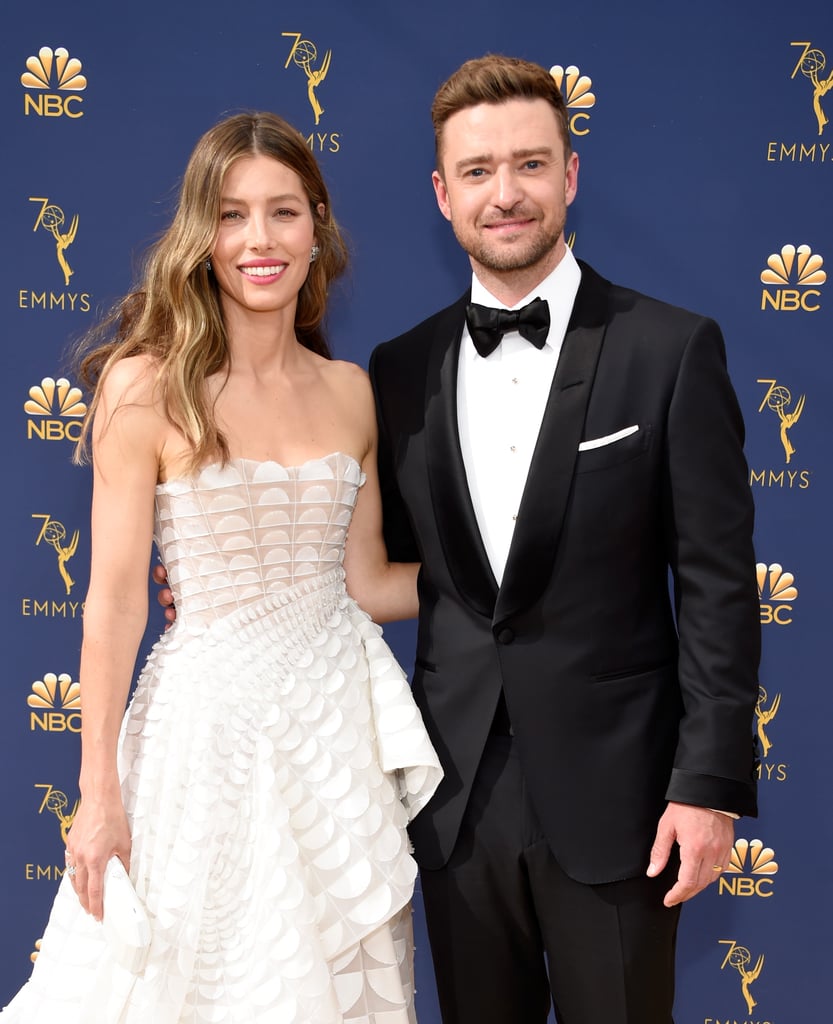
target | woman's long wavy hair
[{"x": 175, "y": 314}]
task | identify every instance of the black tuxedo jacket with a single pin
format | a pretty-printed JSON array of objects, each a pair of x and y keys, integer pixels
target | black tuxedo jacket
[{"x": 620, "y": 698}]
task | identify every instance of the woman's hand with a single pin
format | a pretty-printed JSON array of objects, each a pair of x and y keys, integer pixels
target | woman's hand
[{"x": 99, "y": 831}]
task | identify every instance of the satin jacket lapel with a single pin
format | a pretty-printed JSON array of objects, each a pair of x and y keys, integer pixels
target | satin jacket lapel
[
  {"x": 459, "y": 534},
  {"x": 541, "y": 514}
]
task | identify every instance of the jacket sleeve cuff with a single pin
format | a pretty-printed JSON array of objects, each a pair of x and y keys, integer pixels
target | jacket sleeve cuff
[{"x": 728, "y": 795}]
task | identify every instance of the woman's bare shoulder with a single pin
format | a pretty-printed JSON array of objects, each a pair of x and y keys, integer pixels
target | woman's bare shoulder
[
  {"x": 132, "y": 380},
  {"x": 349, "y": 376}
]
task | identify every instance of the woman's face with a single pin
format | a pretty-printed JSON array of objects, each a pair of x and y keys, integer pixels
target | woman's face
[{"x": 261, "y": 253}]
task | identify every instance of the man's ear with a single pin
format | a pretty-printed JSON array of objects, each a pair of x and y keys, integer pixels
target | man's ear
[
  {"x": 441, "y": 193},
  {"x": 571, "y": 179}
]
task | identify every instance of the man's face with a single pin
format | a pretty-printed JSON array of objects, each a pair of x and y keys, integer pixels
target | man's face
[{"x": 504, "y": 185}]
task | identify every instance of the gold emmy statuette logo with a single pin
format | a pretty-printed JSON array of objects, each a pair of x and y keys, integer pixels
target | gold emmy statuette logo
[
  {"x": 56, "y": 803},
  {"x": 53, "y": 69},
  {"x": 808, "y": 275},
  {"x": 304, "y": 54},
  {"x": 740, "y": 958},
  {"x": 811, "y": 64},
  {"x": 51, "y": 218},
  {"x": 781, "y": 588},
  {"x": 575, "y": 88},
  {"x": 54, "y": 534},
  {"x": 764, "y": 716},
  {"x": 55, "y": 701},
  {"x": 52, "y": 399},
  {"x": 778, "y": 399}
]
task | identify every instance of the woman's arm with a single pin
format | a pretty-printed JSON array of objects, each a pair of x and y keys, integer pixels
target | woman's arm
[
  {"x": 385, "y": 590},
  {"x": 126, "y": 441}
]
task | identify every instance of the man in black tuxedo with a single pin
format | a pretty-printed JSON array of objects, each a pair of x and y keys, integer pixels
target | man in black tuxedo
[{"x": 596, "y": 737}]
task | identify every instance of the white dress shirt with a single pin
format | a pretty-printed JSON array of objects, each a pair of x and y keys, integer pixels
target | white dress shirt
[{"x": 500, "y": 405}]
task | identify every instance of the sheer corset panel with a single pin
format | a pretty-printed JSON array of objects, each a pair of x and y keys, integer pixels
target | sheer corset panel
[{"x": 234, "y": 534}]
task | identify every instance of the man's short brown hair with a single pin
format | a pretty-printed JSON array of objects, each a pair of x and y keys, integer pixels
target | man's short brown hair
[{"x": 496, "y": 79}]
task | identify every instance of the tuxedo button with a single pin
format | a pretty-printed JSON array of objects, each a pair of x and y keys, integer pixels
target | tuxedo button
[{"x": 506, "y": 635}]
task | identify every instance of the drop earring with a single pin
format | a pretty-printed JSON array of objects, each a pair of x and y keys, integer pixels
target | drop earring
[
  {"x": 314, "y": 253},
  {"x": 208, "y": 265}
]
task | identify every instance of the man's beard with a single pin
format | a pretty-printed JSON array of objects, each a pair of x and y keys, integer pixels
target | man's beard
[{"x": 497, "y": 258}]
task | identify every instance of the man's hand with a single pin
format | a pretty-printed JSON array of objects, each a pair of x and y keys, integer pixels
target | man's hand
[
  {"x": 164, "y": 597},
  {"x": 705, "y": 839}
]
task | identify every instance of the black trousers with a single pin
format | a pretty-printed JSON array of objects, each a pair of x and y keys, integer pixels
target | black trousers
[{"x": 510, "y": 932}]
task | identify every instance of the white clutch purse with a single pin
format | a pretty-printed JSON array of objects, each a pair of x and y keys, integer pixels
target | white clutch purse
[{"x": 126, "y": 924}]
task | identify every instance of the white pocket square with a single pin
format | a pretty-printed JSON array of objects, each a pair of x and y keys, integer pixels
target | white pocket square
[{"x": 600, "y": 442}]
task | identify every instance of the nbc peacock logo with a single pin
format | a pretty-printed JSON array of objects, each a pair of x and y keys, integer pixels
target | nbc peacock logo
[
  {"x": 55, "y": 81},
  {"x": 751, "y": 870},
  {"x": 576, "y": 90},
  {"x": 796, "y": 274},
  {"x": 776, "y": 591},
  {"x": 55, "y": 704},
  {"x": 55, "y": 409}
]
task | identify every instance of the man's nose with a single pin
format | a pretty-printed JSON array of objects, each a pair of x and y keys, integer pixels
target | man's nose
[{"x": 507, "y": 188}]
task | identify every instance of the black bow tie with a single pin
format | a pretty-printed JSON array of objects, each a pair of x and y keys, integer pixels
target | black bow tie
[{"x": 487, "y": 326}]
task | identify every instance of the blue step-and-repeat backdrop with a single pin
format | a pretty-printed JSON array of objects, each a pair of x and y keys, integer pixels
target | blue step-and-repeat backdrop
[{"x": 706, "y": 145}]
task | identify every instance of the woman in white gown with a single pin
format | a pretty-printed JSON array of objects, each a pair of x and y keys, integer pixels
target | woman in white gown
[{"x": 259, "y": 785}]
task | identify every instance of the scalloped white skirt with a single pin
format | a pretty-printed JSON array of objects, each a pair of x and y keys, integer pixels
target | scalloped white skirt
[{"x": 269, "y": 768}]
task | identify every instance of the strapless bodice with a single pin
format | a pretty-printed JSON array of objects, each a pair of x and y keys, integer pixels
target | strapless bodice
[{"x": 233, "y": 534}]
